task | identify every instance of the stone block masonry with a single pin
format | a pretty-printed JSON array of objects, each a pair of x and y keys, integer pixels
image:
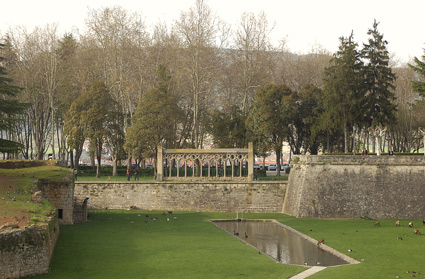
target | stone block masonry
[
  {"x": 184, "y": 196},
  {"x": 379, "y": 187},
  {"x": 61, "y": 195},
  {"x": 27, "y": 251}
]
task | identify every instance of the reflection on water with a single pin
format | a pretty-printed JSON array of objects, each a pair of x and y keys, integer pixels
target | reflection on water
[{"x": 281, "y": 244}]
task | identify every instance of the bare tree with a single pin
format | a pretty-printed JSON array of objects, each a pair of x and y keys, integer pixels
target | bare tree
[
  {"x": 119, "y": 40},
  {"x": 299, "y": 70},
  {"x": 37, "y": 77},
  {"x": 253, "y": 57},
  {"x": 204, "y": 36}
]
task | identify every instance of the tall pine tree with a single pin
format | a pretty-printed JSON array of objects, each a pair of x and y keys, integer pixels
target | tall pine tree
[
  {"x": 378, "y": 108},
  {"x": 419, "y": 86},
  {"x": 343, "y": 90},
  {"x": 10, "y": 107}
]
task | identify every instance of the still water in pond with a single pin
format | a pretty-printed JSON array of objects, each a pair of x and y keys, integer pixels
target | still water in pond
[{"x": 281, "y": 244}]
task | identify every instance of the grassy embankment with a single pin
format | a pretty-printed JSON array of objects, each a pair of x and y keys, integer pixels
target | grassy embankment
[
  {"x": 111, "y": 246},
  {"x": 16, "y": 188}
]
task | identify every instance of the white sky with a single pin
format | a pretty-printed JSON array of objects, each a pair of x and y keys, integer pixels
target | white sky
[{"x": 304, "y": 23}]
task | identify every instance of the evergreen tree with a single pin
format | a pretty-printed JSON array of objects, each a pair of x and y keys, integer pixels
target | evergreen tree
[
  {"x": 269, "y": 117},
  {"x": 152, "y": 124},
  {"x": 228, "y": 128},
  {"x": 378, "y": 107},
  {"x": 9, "y": 108},
  {"x": 92, "y": 116},
  {"x": 343, "y": 90},
  {"x": 419, "y": 86},
  {"x": 307, "y": 104}
]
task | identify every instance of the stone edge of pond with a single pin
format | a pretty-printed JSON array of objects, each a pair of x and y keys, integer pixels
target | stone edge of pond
[
  {"x": 325, "y": 247},
  {"x": 331, "y": 250}
]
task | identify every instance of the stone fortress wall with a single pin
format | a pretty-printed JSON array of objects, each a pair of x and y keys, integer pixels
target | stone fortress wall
[
  {"x": 27, "y": 251},
  {"x": 184, "y": 196},
  {"x": 379, "y": 187}
]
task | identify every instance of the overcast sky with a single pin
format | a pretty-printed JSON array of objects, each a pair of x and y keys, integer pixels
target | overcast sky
[{"x": 304, "y": 23}]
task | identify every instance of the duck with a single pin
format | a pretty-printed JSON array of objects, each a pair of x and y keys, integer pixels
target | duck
[
  {"x": 246, "y": 236},
  {"x": 235, "y": 233}
]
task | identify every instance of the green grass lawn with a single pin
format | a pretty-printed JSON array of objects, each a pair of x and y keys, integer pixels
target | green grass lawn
[{"x": 110, "y": 246}]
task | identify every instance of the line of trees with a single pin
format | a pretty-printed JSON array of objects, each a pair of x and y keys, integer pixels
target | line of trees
[{"x": 117, "y": 85}]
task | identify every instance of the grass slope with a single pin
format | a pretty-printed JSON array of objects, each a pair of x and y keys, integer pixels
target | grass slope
[
  {"x": 16, "y": 188},
  {"x": 110, "y": 246}
]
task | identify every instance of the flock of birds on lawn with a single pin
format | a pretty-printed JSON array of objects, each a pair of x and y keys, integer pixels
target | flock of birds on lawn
[
  {"x": 397, "y": 224},
  {"x": 154, "y": 219},
  {"x": 376, "y": 224}
]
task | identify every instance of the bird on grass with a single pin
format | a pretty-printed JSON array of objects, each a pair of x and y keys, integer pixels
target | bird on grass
[
  {"x": 246, "y": 236},
  {"x": 235, "y": 233},
  {"x": 175, "y": 218},
  {"x": 423, "y": 221},
  {"x": 410, "y": 224},
  {"x": 376, "y": 224},
  {"x": 321, "y": 241},
  {"x": 397, "y": 223},
  {"x": 416, "y": 232}
]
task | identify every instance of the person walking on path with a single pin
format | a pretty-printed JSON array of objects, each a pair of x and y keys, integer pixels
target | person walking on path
[
  {"x": 128, "y": 175},
  {"x": 75, "y": 174},
  {"x": 136, "y": 175}
]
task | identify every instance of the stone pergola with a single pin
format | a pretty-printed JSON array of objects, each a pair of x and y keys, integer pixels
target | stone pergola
[{"x": 210, "y": 157}]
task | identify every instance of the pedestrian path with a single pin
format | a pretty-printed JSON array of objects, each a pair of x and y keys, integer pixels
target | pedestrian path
[{"x": 308, "y": 272}]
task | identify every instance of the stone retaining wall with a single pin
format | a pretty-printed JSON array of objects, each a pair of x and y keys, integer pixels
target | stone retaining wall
[
  {"x": 61, "y": 195},
  {"x": 185, "y": 196},
  {"x": 380, "y": 187},
  {"x": 27, "y": 251}
]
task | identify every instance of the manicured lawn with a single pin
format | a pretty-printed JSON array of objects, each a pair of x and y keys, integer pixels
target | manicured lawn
[
  {"x": 110, "y": 246},
  {"x": 381, "y": 253}
]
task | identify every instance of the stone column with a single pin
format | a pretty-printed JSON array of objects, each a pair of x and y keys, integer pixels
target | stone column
[
  {"x": 159, "y": 164},
  {"x": 250, "y": 162}
]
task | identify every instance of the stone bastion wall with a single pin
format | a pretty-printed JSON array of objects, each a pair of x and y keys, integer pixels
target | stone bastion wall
[
  {"x": 27, "y": 251},
  {"x": 379, "y": 187},
  {"x": 184, "y": 196}
]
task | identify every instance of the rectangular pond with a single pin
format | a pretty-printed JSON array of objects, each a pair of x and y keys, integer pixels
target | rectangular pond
[{"x": 283, "y": 244}]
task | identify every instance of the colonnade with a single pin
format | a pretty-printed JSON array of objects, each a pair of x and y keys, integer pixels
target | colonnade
[{"x": 197, "y": 159}]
